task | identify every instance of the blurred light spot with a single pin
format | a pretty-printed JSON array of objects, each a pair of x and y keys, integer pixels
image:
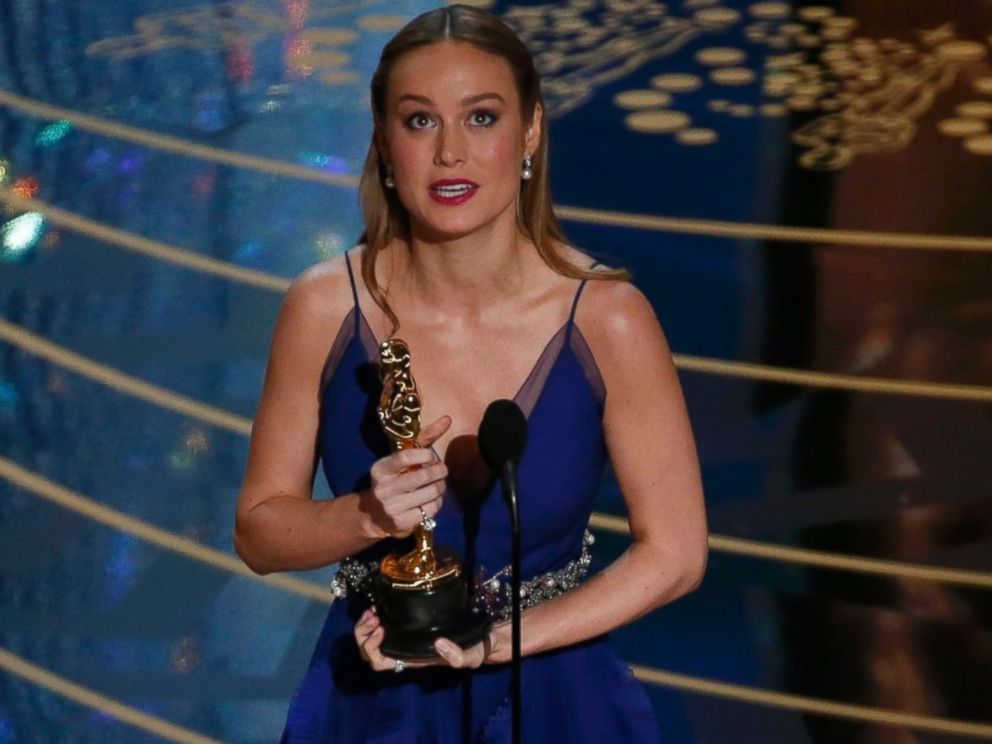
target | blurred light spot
[
  {"x": 240, "y": 63},
  {"x": 56, "y": 383},
  {"x": 26, "y": 188},
  {"x": 635, "y": 99},
  {"x": 656, "y": 122},
  {"x": 330, "y": 245},
  {"x": 383, "y": 22},
  {"x": 52, "y": 238},
  {"x": 296, "y": 55},
  {"x": 338, "y": 77},
  {"x": 696, "y": 137},
  {"x": 196, "y": 441},
  {"x": 298, "y": 11},
  {"x": 331, "y": 163},
  {"x": 131, "y": 162},
  {"x": 98, "y": 158},
  {"x": 332, "y": 58},
  {"x": 6, "y": 731},
  {"x": 981, "y": 145},
  {"x": 8, "y": 395},
  {"x": 182, "y": 460},
  {"x": 120, "y": 567},
  {"x": 677, "y": 82},
  {"x": 185, "y": 655},
  {"x": 204, "y": 183},
  {"x": 21, "y": 234},
  {"x": 329, "y": 35},
  {"x": 270, "y": 106},
  {"x": 53, "y": 133},
  {"x": 248, "y": 250}
]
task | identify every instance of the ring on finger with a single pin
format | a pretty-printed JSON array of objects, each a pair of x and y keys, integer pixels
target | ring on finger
[
  {"x": 426, "y": 522},
  {"x": 398, "y": 666}
]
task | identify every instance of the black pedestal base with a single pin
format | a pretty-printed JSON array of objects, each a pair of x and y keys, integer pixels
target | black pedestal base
[{"x": 414, "y": 618}]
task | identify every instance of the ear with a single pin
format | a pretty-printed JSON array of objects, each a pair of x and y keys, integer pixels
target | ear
[{"x": 532, "y": 138}]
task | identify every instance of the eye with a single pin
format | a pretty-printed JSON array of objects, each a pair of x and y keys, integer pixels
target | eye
[
  {"x": 419, "y": 120},
  {"x": 483, "y": 117}
]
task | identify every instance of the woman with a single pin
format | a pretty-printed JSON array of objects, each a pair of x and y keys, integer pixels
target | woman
[{"x": 463, "y": 256}]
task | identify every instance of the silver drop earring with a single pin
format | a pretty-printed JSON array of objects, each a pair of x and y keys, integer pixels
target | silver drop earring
[
  {"x": 388, "y": 180},
  {"x": 527, "y": 172}
]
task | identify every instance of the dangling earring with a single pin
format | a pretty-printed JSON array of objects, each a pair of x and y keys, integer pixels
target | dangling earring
[
  {"x": 388, "y": 180},
  {"x": 527, "y": 172}
]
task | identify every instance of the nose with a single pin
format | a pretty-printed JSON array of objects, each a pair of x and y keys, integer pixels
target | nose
[{"x": 450, "y": 146}]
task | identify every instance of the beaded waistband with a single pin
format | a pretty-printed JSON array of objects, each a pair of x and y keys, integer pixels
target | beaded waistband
[{"x": 493, "y": 595}]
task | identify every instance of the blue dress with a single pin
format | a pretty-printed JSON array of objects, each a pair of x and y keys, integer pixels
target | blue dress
[{"x": 580, "y": 693}]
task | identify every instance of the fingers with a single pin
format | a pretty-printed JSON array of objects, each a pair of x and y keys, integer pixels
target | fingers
[
  {"x": 402, "y": 484},
  {"x": 458, "y": 657},
  {"x": 433, "y": 432},
  {"x": 364, "y": 628},
  {"x": 400, "y": 461},
  {"x": 414, "y": 480},
  {"x": 369, "y": 634}
]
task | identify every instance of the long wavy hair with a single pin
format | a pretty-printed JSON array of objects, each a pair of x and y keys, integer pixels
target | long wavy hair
[{"x": 385, "y": 217}]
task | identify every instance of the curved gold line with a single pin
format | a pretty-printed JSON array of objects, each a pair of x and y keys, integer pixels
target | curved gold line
[
  {"x": 53, "y": 492},
  {"x": 168, "y": 143},
  {"x": 819, "y": 558},
  {"x": 161, "y": 251},
  {"x": 240, "y": 425},
  {"x": 88, "y": 697},
  {"x": 777, "y": 233},
  {"x": 658, "y": 223},
  {"x": 110, "y": 377},
  {"x": 745, "y": 370},
  {"x": 834, "y": 380},
  {"x": 819, "y": 706},
  {"x": 70, "y": 500}
]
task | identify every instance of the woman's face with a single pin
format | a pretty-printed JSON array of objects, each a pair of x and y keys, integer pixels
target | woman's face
[{"x": 455, "y": 138}]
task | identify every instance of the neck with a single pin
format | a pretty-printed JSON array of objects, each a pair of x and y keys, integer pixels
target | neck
[{"x": 467, "y": 274}]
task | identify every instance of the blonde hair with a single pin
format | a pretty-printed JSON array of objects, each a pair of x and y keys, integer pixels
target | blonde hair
[{"x": 385, "y": 217}]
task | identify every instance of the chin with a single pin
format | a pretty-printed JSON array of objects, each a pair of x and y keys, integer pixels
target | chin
[{"x": 451, "y": 228}]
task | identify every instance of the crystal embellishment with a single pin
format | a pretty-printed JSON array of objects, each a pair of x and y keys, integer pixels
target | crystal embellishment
[{"x": 493, "y": 595}]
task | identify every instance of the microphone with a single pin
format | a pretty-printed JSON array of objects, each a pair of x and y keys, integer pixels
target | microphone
[
  {"x": 502, "y": 434},
  {"x": 502, "y": 438}
]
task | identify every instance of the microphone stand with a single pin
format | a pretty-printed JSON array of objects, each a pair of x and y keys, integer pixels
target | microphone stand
[{"x": 509, "y": 478}]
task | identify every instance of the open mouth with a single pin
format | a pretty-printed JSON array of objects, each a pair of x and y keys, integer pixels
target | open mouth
[{"x": 452, "y": 192}]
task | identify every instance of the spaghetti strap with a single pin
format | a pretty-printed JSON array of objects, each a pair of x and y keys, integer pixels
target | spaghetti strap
[
  {"x": 354, "y": 289},
  {"x": 575, "y": 304}
]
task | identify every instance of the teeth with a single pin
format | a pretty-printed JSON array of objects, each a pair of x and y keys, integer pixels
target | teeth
[{"x": 452, "y": 190}]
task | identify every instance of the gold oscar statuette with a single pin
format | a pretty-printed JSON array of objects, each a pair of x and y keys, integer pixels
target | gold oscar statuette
[{"x": 422, "y": 595}]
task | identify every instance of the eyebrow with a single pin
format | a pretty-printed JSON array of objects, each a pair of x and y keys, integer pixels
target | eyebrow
[{"x": 468, "y": 101}]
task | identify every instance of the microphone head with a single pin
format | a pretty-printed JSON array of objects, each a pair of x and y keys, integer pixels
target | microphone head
[{"x": 502, "y": 433}]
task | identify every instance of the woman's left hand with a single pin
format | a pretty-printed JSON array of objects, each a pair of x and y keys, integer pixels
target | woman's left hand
[{"x": 493, "y": 649}]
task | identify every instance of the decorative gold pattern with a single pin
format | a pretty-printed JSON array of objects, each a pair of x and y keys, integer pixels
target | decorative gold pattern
[
  {"x": 857, "y": 95},
  {"x": 865, "y": 94}
]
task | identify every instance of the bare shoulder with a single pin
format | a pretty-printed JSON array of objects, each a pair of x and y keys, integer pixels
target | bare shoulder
[
  {"x": 320, "y": 295},
  {"x": 616, "y": 307},
  {"x": 315, "y": 305}
]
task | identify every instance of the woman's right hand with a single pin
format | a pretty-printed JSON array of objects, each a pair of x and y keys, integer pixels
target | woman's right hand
[{"x": 406, "y": 482}]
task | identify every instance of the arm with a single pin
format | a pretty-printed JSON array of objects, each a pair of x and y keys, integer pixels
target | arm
[
  {"x": 653, "y": 454},
  {"x": 278, "y": 526}
]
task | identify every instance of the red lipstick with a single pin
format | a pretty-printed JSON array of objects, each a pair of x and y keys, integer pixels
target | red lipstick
[{"x": 452, "y": 191}]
